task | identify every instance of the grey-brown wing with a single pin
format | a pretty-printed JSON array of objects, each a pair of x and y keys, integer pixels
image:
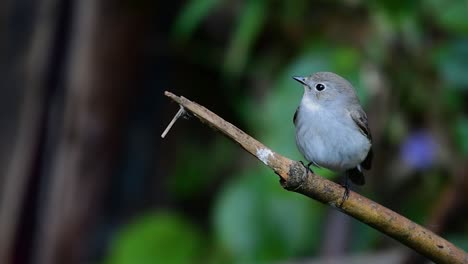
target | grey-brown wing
[
  {"x": 360, "y": 119},
  {"x": 295, "y": 115}
]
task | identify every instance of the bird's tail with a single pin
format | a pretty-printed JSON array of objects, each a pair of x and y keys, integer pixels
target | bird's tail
[{"x": 356, "y": 176}]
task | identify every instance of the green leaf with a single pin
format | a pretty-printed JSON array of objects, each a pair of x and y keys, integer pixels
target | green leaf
[
  {"x": 157, "y": 238},
  {"x": 249, "y": 25},
  {"x": 191, "y": 16},
  {"x": 452, "y": 63},
  {"x": 194, "y": 176},
  {"x": 396, "y": 7},
  {"x": 396, "y": 11},
  {"x": 256, "y": 220},
  {"x": 451, "y": 15},
  {"x": 453, "y": 100},
  {"x": 294, "y": 12},
  {"x": 461, "y": 135}
]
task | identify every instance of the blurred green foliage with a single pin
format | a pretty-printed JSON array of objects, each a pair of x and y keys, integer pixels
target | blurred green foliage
[
  {"x": 191, "y": 16},
  {"x": 461, "y": 135},
  {"x": 453, "y": 63},
  {"x": 419, "y": 47},
  {"x": 248, "y": 28},
  {"x": 186, "y": 181},
  {"x": 158, "y": 238},
  {"x": 451, "y": 15},
  {"x": 255, "y": 220}
]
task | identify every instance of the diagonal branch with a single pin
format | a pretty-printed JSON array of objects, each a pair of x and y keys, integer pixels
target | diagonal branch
[{"x": 294, "y": 177}]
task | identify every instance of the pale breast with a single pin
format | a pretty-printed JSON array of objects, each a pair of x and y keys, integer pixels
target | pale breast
[{"x": 330, "y": 141}]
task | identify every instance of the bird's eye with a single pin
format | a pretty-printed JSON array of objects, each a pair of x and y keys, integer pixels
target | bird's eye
[{"x": 319, "y": 87}]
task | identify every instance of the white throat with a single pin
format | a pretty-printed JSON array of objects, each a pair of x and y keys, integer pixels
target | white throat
[{"x": 310, "y": 104}]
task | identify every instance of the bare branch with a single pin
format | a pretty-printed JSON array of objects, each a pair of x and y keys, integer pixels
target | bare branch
[{"x": 294, "y": 177}]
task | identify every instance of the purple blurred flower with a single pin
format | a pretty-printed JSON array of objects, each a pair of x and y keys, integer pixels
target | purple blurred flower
[{"x": 419, "y": 150}]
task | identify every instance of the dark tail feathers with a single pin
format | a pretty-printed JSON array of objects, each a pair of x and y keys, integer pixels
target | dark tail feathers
[{"x": 356, "y": 176}]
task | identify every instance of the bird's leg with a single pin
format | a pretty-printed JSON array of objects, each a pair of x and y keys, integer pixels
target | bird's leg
[
  {"x": 307, "y": 166},
  {"x": 307, "y": 171},
  {"x": 346, "y": 191},
  {"x": 187, "y": 115}
]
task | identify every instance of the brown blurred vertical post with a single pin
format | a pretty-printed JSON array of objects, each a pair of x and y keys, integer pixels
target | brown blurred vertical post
[
  {"x": 103, "y": 63},
  {"x": 24, "y": 159}
]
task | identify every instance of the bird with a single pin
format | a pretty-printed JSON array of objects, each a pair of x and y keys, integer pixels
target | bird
[{"x": 331, "y": 127}]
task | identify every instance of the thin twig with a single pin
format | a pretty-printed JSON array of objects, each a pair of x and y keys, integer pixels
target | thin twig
[
  {"x": 177, "y": 115},
  {"x": 295, "y": 177}
]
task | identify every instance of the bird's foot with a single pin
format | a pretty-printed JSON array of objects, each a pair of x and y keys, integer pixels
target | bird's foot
[
  {"x": 307, "y": 166},
  {"x": 187, "y": 115},
  {"x": 346, "y": 191},
  {"x": 306, "y": 172}
]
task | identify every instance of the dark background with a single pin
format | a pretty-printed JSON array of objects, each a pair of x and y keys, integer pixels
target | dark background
[{"x": 86, "y": 178}]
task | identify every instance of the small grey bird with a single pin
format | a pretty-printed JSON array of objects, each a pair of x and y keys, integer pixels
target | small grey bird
[{"x": 331, "y": 127}]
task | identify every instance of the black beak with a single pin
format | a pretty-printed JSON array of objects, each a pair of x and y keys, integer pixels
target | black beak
[{"x": 300, "y": 79}]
